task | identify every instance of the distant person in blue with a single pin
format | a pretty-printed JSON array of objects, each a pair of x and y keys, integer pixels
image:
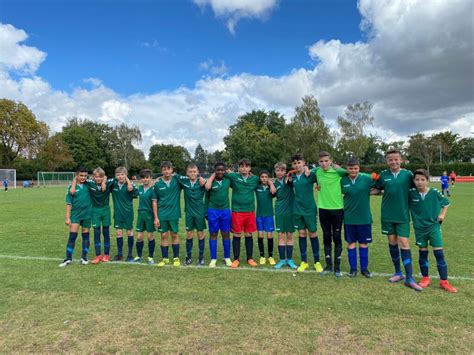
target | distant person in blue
[
  {"x": 5, "y": 184},
  {"x": 445, "y": 183}
]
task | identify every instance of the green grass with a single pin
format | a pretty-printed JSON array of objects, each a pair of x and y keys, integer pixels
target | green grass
[{"x": 132, "y": 308}]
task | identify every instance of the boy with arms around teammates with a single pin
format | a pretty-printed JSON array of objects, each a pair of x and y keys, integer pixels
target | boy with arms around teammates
[
  {"x": 428, "y": 209},
  {"x": 78, "y": 214},
  {"x": 284, "y": 218},
  {"x": 396, "y": 183}
]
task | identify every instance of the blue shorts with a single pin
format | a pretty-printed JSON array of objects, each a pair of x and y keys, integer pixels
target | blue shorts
[
  {"x": 444, "y": 187},
  {"x": 218, "y": 220},
  {"x": 265, "y": 224},
  {"x": 361, "y": 233}
]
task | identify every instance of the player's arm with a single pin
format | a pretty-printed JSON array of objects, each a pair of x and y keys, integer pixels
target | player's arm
[
  {"x": 72, "y": 190},
  {"x": 208, "y": 184},
  {"x": 444, "y": 202},
  {"x": 340, "y": 171},
  {"x": 68, "y": 214},
  {"x": 155, "y": 213},
  {"x": 103, "y": 186},
  {"x": 273, "y": 189},
  {"x": 129, "y": 184},
  {"x": 202, "y": 181}
]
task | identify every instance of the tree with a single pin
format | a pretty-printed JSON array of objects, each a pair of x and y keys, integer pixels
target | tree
[
  {"x": 178, "y": 155},
  {"x": 55, "y": 155},
  {"x": 20, "y": 132},
  {"x": 83, "y": 147},
  {"x": 374, "y": 153},
  {"x": 200, "y": 159},
  {"x": 446, "y": 142},
  {"x": 423, "y": 149},
  {"x": 463, "y": 150},
  {"x": 125, "y": 138}
]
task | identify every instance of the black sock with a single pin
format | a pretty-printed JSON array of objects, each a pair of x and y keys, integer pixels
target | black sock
[
  {"x": 441, "y": 263},
  {"x": 315, "y": 247},
  {"x": 261, "y": 248},
  {"x": 106, "y": 232},
  {"x": 151, "y": 248},
  {"x": 249, "y": 247},
  {"x": 175, "y": 250},
  {"x": 97, "y": 245},
  {"x": 140, "y": 248},
  {"x": 201, "y": 243},
  {"x": 130, "y": 245},
  {"x": 281, "y": 252},
  {"x": 70, "y": 245},
  {"x": 120, "y": 246},
  {"x": 423, "y": 261},
  {"x": 289, "y": 252},
  {"x": 270, "y": 247},
  {"x": 85, "y": 244},
  {"x": 236, "y": 247},
  {"x": 189, "y": 247},
  {"x": 406, "y": 259}
]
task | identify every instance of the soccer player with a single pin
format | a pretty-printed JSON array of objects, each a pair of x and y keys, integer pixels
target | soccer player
[
  {"x": 99, "y": 189},
  {"x": 5, "y": 184},
  {"x": 218, "y": 212},
  {"x": 331, "y": 209},
  {"x": 445, "y": 184},
  {"x": 78, "y": 213},
  {"x": 452, "y": 177},
  {"x": 305, "y": 211},
  {"x": 356, "y": 188},
  {"x": 284, "y": 218},
  {"x": 265, "y": 224},
  {"x": 396, "y": 183},
  {"x": 194, "y": 191},
  {"x": 123, "y": 193},
  {"x": 168, "y": 193},
  {"x": 428, "y": 209},
  {"x": 147, "y": 216}
]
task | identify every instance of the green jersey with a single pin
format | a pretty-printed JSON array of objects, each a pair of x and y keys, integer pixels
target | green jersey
[
  {"x": 243, "y": 192},
  {"x": 396, "y": 188},
  {"x": 304, "y": 197},
  {"x": 193, "y": 196},
  {"x": 264, "y": 201},
  {"x": 425, "y": 209},
  {"x": 146, "y": 196},
  {"x": 330, "y": 195},
  {"x": 99, "y": 198},
  {"x": 123, "y": 200},
  {"x": 285, "y": 198},
  {"x": 80, "y": 202},
  {"x": 217, "y": 198},
  {"x": 357, "y": 199},
  {"x": 169, "y": 199}
]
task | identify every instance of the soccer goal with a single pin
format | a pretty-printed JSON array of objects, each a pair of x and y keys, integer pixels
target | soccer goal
[
  {"x": 9, "y": 174},
  {"x": 55, "y": 178}
]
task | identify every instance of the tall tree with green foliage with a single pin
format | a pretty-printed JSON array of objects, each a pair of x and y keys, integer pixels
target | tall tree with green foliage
[
  {"x": 422, "y": 148},
  {"x": 178, "y": 155},
  {"x": 463, "y": 150},
  {"x": 54, "y": 155},
  {"x": 124, "y": 148},
  {"x": 83, "y": 147},
  {"x": 200, "y": 158}
]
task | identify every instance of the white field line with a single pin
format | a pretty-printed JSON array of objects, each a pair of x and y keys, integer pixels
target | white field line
[{"x": 243, "y": 268}]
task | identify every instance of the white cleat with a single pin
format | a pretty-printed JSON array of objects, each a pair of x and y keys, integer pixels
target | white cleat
[
  {"x": 228, "y": 262},
  {"x": 84, "y": 261},
  {"x": 65, "y": 263},
  {"x": 213, "y": 263}
]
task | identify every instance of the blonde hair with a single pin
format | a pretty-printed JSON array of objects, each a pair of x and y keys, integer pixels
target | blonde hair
[
  {"x": 280, "y": 165},
  {"x": 99, "y": 171},
  {"x": 121, "y": 169}
]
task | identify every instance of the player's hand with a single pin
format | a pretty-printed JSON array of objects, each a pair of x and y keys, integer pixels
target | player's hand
[
  {"x": 317, "y": 187},
  {"x": 440, "y": 219},
  {"x": 68, "y": 221},
  {"x": 202, "y": 181},
  {"x": 157, "y": 223},
  {"x": 335, "y": 166}
]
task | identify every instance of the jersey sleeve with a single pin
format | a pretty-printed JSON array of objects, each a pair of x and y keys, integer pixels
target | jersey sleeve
[
  {"x": 379, "y": 183},
  {"x": 412, "y": 183},
  {"x": 68, "y": 196},
  {"x": 231, "y": 176},
  {"x": 312, "y": 177},
  {"x": 443, "y": 201},
  {"x": 341, "y": 172}
]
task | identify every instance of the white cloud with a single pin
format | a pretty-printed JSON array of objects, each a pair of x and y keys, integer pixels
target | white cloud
[
  {"x": 155, "y": 45},
  {"x": 235, "y": 10},
  {"x": 213, "y": 69}
]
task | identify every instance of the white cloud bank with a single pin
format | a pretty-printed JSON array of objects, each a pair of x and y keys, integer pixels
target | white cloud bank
[{"x": 416, "y": 67}]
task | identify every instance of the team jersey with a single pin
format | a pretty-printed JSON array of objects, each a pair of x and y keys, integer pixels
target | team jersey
[
  {"x": 168, "y": 195},
  {"x": 146, "y": 196},
  {"x": 99, "y": 198},
  {"x": 284, "y": 198},
  {"x": 193, "y": 196},
  {"x": 444, "y": 180},
  {"x": 425, "y": 209},
  {"x": 264, "y": 201},
  {"x": 330, "y": 197},
  {"x": 396, "y": 188},
  {"x": 304, "y": 203},
  {"x": 80, "y": 202},
  {"x": 122, "y": 199},
  {"x": 217, "y": 198},
  {"x": 357, "y": 199},
  {"x": 243, "y": 192}
]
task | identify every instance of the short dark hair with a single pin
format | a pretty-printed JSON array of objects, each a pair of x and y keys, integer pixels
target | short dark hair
[
  {"x": 145, "y": 173},
  {"x": 264, "y": 172},
  {"x": 297, "y": 157},
  {"x": 393, "y": 151},
  {"x": 245, "y": 161},
  {"x": 82, "y": 169},
  {"x": 421, "y": 172},
  {"x": 323, "y": 154},
  {"x": 166, "y": 164},
  {"x": 352, "y": 162},
  {"x": 219, "y": 163}
]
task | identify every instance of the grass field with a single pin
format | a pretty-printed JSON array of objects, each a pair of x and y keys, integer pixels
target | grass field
[{"x": 139, "y": 308}]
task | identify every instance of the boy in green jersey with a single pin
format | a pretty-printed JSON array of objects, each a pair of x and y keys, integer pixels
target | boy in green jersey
[
  {"x": 100, "y": 196},
  {"x": 78, "y": 213},
  {"x": 147, "y": 216},
  {"x": 123, "y": 193},
  {"x": 305, "y": 210},
  {"x": 331, "y": 209},
  {"x": 356, "y": 188},
  {"x": 194, "y": 191},
  {"x": 168, "y": 193},
  {"x": 284, "y": 219},
  {"x": 264, "y": 195},
  {"x": 428, "y": 209},
  {"x": 396, "y": 183}
]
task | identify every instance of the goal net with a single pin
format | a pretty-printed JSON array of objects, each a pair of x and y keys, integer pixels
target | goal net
[
  {"x": 55, "y": 178},
  {"x": 9, "y": 174}
]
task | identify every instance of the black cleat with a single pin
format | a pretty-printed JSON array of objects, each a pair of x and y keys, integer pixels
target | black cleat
[
  {"x": 366, "y": 273},
  {"x": 130, "y": 259},
  {"x": 327, "y": 270},
  {"x": 188, "y": 261},
  {"x": 118, "y": 258},
  {"x": 352, "y": 273},
  {"x": 201, "y": 262},
  {"x": 337, "y": 272}
]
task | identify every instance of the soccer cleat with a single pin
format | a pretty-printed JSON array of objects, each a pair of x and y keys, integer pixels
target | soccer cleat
[
  {"x": 137, "y": 259},
  {"x": 291, "y": 264},
  {"x": 84, "y": 261},
  {"x": 352, "y": 273},
  {"x": 425, "y": 281},
  {"x": 337, "y": 273},
  {"x": 271, "y": 261},
  {"x": 130, "y": 259},
  {"x": 235, "y": 264},
  {"x": 445, "y": 285},
  {"x": 176, "y": 262},
  {"x": 66, "y": 262},
  {"x": 213, "y": 263},
  {"x": 201, "y": 261},
  {"x": 318, "y": 267},
  {"x": 262, "y": 260},
  {"x": 280, "y": 264},
  {"x": 327, "y": 270},
  {"x": 413, "y": 285},
  {"x": 118, "y": 257},
  {"x": 97, "y": 260},
  {"x": 150, "y": 261},
  {"x": 251, "y": 262},
  {"x": 396, "y": 277},
  {"x": 228, "y": 262},
  {"x": 106, "y": 259},
  {"x": 303, "y": 266},
  {"x": 164, "y": 262},
  {"x": 367, "y": 273},
  {"x": 187, "y": 261}
]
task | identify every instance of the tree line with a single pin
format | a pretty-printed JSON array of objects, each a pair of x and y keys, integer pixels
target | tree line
[{"x": 265, "y": 137}]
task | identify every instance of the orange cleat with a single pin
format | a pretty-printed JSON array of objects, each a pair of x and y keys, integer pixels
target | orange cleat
[
  {"x": 252, "y": 263},
  {"x": 235, "y": 264},
  {"x": 425, "y": 281},
  {"x": 445, "y": 285},
  {"x": 106, "y": 258},
  {"x": 97, "y": 259}
]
